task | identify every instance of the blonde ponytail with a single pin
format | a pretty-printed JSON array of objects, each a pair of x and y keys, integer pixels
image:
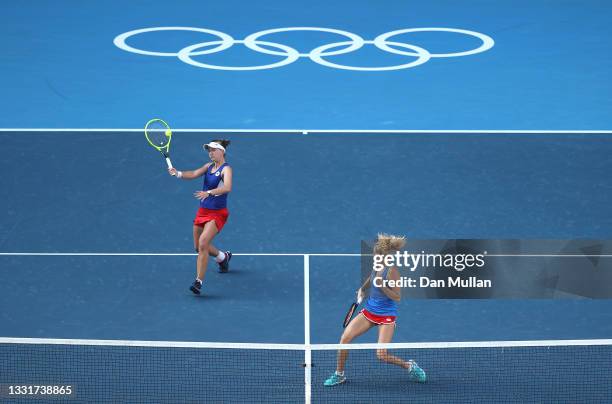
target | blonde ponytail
[{"x": 388, "y": 244}]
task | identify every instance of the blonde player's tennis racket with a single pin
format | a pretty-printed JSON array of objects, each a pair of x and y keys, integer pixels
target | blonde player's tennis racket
[
  {"x": 159, "y": 135},
  {"x": 351, "y": 311}
]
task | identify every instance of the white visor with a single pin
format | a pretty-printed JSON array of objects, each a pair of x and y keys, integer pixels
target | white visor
[{"x": 213, "y": 145}]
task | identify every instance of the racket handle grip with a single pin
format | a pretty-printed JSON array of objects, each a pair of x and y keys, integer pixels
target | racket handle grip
[
  {"x": 169, "y": 162},
  {"x": 359, "y": 296}
]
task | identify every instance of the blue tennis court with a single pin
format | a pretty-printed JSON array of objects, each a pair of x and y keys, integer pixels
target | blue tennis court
[{"x": 434, "y": 120}]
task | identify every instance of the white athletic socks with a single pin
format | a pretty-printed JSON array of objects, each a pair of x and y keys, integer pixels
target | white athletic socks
[{"x": 220, "y": 257}]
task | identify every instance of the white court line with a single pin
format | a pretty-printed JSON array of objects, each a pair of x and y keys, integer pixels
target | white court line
[
  {"x": 307, "y": 350},
  {"x": 553, "y": 255},
  {"x": 332, "y": 131},
  {"x": 88, "y": 254},
  {"x": 169, "y": 254},
  {"x": 307, "y": 299}
]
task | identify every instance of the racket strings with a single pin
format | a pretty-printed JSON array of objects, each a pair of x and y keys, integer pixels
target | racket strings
[{"x": 157, "y": 133}]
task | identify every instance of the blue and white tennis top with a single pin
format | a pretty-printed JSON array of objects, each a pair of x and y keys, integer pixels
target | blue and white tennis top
[
  {"x": 212, "y": 180},
  {"x": 378, "y": 303}
]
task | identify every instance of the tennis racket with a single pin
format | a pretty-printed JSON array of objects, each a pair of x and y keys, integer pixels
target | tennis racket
[
  {"x": 351, "y": 311},
  {"x": 159, "y": 135}
]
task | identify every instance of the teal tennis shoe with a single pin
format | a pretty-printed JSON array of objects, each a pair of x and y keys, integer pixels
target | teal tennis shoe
[
  {"x": 416, "y": 374},
  {"x": 334, "y": 380}
]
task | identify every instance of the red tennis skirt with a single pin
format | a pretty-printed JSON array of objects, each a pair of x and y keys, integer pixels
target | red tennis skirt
[
  {"x": 206, "y": 215},
  {"x": 376, "y": 319}
]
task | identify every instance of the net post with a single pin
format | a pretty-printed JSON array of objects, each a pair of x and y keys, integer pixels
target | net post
[{"x": 307, "y": 347}]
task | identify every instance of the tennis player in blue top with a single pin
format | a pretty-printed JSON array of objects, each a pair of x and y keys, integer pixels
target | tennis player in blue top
[
  {"x": 380, "y": 311},
  {"x": 213, "y": 213}
]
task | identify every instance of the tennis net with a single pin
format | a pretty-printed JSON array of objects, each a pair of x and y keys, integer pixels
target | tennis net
[{"x": 102, "y": 371}]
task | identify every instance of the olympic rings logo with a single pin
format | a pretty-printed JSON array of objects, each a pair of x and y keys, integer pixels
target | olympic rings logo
[{"x": 318, "y": 55}]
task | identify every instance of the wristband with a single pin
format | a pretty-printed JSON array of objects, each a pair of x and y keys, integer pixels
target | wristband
[{"x": 179, "y": 174}]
